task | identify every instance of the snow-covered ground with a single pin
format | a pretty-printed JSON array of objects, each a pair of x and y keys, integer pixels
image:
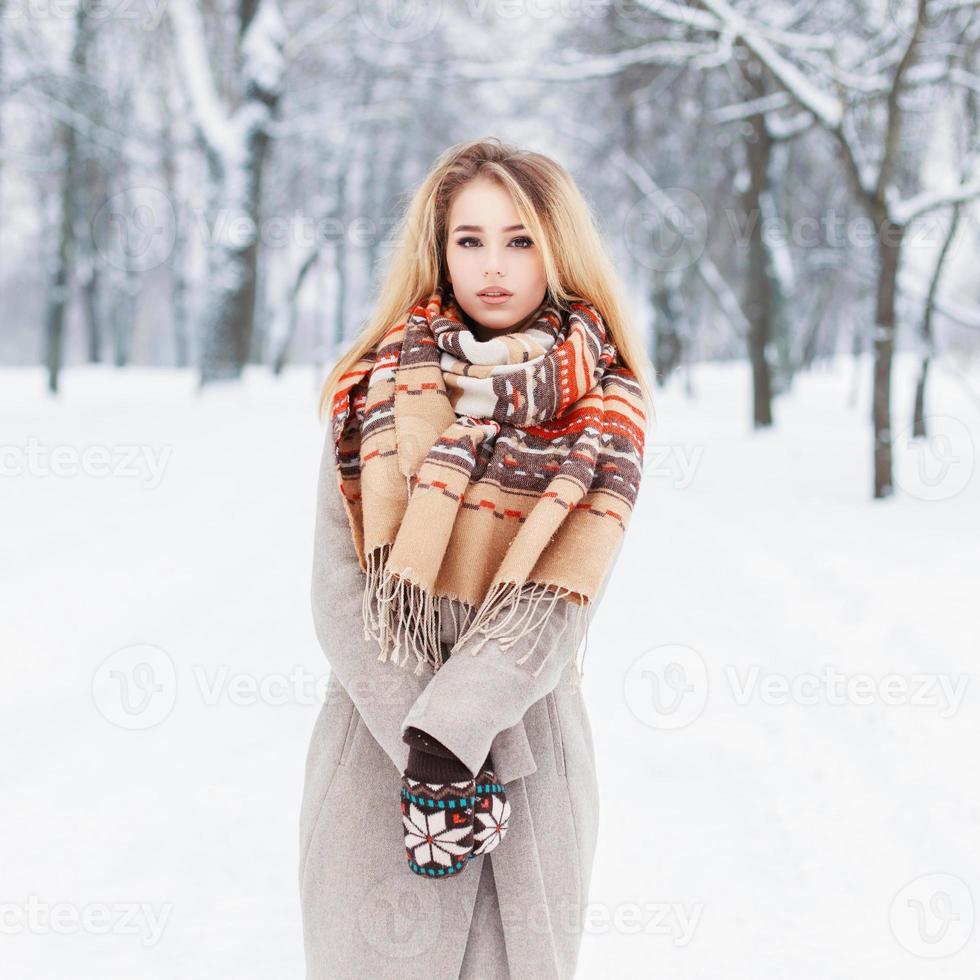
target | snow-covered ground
[{"x": 780, "y": 681}]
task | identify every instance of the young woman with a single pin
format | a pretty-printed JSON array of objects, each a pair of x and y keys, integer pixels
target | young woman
[{"x": 480, "y": 468}]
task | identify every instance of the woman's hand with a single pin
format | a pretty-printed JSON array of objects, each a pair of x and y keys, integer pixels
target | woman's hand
[
  {"x": 438, "y": 797},
  {"x": 449, "y": 816}
]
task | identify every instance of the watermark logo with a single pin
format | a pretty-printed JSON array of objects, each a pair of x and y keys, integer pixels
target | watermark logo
[
  {"x": 400, "y": 919},
  {"x": 136, "y": 687},
  {"x": 667, "y": 687},
  {"x": 938, "y": 465},
  {"x": 667, "y": 230},
  {"x": 932, "y": 916},
  {"x": 135, "y": 229},
  {"x": 400, "y": 21}
]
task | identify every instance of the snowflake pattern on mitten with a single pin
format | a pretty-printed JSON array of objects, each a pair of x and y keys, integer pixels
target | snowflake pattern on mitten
[
  {"x": 438, "y": 824},
  {"x": 491, "y": 815}
]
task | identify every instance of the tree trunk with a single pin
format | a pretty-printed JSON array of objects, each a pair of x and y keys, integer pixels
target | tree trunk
[
  {"x": 178, "y": 280},
  {"x": 60, "y": 280},
  {"x": 340, "y": 272},
  {"x": 3, "y": 6},
  {"x": 90, "y": 306},
  {"x": 58, "y": 285},
  {"x": 758, "y": 307},
  {"x": 919, "y": 408},
  {"x": 230, "y": 305},
  {"x": 889, "y": 254},
  {"x": 668, "y": 349}
]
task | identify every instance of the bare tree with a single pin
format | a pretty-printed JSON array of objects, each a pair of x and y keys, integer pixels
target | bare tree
[
  {"x": 234, "y": 141},
  {"x": 873, "y": 183}
]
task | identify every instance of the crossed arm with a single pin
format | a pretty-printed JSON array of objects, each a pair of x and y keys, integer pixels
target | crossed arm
[{"x": 468, "y": 700}]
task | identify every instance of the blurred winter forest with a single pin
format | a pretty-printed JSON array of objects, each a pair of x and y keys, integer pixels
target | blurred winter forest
[{"x": 210, "y": 184}]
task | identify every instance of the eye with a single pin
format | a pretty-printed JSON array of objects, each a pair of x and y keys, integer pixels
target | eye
[{"x": 476, "y": 241}]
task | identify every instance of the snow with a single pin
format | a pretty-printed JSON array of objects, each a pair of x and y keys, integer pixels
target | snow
[{"x": 749, "y": 835}]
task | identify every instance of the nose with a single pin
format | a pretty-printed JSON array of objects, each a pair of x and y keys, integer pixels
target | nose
[
  {"x": 494, "y": 262},
  {"x": 493, "y": 268}
]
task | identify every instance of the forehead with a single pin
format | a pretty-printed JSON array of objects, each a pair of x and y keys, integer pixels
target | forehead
[{"x": 485, "y": 205}]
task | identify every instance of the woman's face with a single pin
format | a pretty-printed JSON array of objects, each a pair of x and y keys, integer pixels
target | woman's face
[{"x": 488, "y": 249}]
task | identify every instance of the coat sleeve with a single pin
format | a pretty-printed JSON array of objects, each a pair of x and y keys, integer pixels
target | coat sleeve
[
  {"x": 473, "y": 697},
  {"x": 382, "y": 692}
]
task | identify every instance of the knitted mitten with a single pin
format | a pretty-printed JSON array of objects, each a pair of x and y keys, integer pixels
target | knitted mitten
[
  {"x": 437, "y": 800},
  {"x": 492, "y": 814},
  {"x": 492, "y": 810}
]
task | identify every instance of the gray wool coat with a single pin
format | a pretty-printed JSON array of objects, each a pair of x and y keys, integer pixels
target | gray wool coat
[{"x": 516, "y": 912}]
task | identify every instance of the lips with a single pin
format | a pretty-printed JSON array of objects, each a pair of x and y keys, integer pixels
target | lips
[{"x": 494, "y": 291}]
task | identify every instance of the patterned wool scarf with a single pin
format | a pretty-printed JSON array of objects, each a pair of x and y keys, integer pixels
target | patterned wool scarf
[{"x": 501, "y": 473}]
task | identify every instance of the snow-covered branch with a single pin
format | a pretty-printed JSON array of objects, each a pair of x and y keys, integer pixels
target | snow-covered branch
[
  {"x": 787, "y": 129},
  {"x": 951, "y": 6},
  {"x": 960, "y": 77},
  {"x": 749, "y": 108},
  {"x": 578, "y": 70},
  {"x": 825, "y": 107},
  {"x": 263, "y": 67},
  {"x": 902, "y": 212},
  {"x": 960, "y": 313},
  {"x": 210, "y": 114},
  {"x": 316, "y": 31},
  {"x": 778, "y": 127},
  {"x": 862, "y": 81},
  {"x": 691, "y": 17},
  {"x": 927, "y": 73},
  {"x": 263, "y": 62}
]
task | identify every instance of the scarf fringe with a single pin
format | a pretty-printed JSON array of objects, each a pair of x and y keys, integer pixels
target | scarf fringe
[
  {"x": 407, "y": 618},
  {"x": 502, "y": 605}
]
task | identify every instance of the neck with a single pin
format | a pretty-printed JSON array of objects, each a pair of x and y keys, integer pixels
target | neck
[{"x": 483, "y": 333}]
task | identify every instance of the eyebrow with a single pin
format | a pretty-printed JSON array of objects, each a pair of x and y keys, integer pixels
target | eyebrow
[{"x": 480, "y": 228}]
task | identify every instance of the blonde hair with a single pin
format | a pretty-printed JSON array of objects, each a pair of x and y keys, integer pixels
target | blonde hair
[{"x": 559, "y": 221}]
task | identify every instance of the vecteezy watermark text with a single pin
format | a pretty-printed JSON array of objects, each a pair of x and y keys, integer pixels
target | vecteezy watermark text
[
  {"x": 38, "y": 917},
  {"x": 120, "y": 461},
  {"x": 835, "y": 687}
]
